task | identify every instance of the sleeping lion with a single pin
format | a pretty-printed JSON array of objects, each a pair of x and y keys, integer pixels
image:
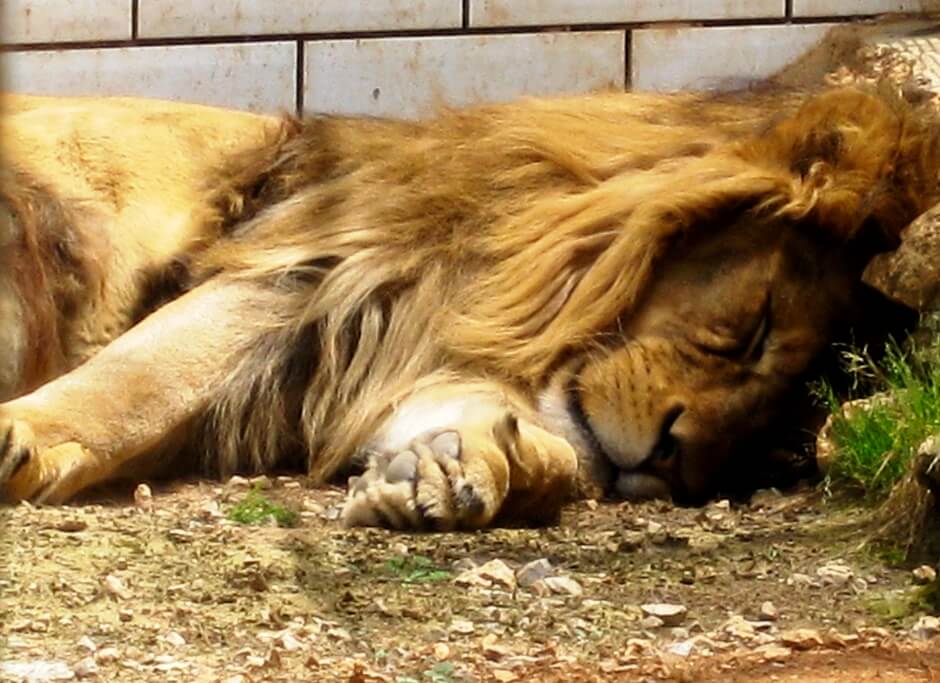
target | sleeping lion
[{"x": 485, "y": 312}]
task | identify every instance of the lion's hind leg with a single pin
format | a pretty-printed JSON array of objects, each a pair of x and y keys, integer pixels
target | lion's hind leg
[{"x": 487, "y": 463}]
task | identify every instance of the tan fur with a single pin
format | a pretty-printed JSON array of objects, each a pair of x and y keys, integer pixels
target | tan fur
[{"x": 445, "y": 298}]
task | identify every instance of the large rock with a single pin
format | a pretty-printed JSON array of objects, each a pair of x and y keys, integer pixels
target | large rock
[{"x": 911, "y": 274}]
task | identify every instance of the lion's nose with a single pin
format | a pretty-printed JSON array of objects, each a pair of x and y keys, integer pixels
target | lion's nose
[{"x": 667, "y": 444}]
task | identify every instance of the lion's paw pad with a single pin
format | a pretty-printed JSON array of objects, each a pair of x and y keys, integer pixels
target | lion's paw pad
[{"x": 421, "y": 487}]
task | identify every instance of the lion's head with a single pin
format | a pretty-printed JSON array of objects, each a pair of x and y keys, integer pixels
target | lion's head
[{"x": 666, "y": 316}]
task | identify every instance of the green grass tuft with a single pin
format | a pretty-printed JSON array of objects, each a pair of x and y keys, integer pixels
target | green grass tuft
[
  {"x": 416, "y": 569},
  {"x": 875, "y": 445},
  {"x": 255, "y": 508}
]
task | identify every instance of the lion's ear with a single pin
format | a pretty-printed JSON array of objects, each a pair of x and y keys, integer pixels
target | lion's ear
[{"x": 861, "y": 165}]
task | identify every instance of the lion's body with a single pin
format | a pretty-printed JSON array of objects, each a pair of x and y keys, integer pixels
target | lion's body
[
  {"x": 480, "y": 301},
  {"x": 107, "y": 193}
]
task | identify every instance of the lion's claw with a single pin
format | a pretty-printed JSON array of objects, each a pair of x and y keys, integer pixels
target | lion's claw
[
  {"x": 16, "y": 449},
  {"x": 422, "y": 487}
]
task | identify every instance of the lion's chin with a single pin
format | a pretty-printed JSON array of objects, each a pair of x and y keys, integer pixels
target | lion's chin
[{"x": 639, "y": 486}]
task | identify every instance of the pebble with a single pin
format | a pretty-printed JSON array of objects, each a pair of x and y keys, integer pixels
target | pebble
[
  {"x": 181, "y": 535},
  {"x": 650, "y": 623},
  {"x": 143, "y": 497},
  {"x": 86, "y": 668},
  {"x": 441, "y": 652},
  {"x": 289, "y": 642},
  {"x": 926, "y": 628},
  {"x": 773, "y": 653},
  {"x": 835, "y": 574},
  {"x": 174, "y": 639},
  {"x": 534, "y": 571},
  {"x": 472, "y": 579},
  {"x": 114, "y": 587},
  {"x": 924, "y": 574},
  {"x": 106, "y": 655},
  {"x": 87, "y": 644},
  {"x": 769, "y": 611},
  {"x": 210, "y": 510},
  {"x": 498, "y": 572},
  {"x": 70, "y": 526},
  {"x": 564, "y": 585},
  {"x": 681, "y": 649},
  {"x": 238, "y": 482},
  {"x": 671, "y": 615},
  {"x": 462, "y": 627},
  {"x": 802, "y": 638}
]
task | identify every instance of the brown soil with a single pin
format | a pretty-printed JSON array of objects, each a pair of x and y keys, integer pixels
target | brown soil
[{"x": 120, "y": 592}]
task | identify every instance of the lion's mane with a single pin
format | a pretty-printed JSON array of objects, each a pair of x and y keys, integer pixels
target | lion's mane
[{"x": 497, "y": 240}]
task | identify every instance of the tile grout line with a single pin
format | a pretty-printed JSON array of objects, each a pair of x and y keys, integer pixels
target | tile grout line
[
  {"x": 299, "y": 82},
  {"x": 627, "y": 76},
  {"x": 135, "y": 19}
]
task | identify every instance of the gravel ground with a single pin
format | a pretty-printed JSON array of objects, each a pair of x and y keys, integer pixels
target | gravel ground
[{"x": 168, "y": 589}]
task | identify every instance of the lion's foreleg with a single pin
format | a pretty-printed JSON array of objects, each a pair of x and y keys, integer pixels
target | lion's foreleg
[
  {"x": 77, "y": 430},
  {"x": 456, "y": 457}
]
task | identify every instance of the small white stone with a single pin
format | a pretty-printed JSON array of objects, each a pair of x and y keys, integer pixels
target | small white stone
[
  {"x": 564, "y": 585},
  {"x": 498, "y": 572},
  {"x": 289, "y": 642},
  {"x": 115, "y": 587},
  {"x": 533, "y": 571},
  {"x": 86, "y": 668},
  {"x": 106, "y": 655},
  {"x": 769, "y": 611},
  {"x": 143, "y": 497},
  {"x": 462, "y": 627},
  {"x": 924, "y": 574},
  {"x": 174, "y": 639},
  {"x": 926, "y": 628},
  {"x": 87, "y": 644}
]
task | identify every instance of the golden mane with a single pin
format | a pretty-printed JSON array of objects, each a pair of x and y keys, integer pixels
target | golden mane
[{"x": 496, "y": 239}]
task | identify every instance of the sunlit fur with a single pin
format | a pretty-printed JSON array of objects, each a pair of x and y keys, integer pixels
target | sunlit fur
[
  {"x": 500, "y": 241},
  {"x": 596, "y": 260}
]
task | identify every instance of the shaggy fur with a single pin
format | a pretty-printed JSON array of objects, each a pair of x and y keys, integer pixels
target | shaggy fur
[
  {"x": 359, "y": 272},
  {"x": 497, "y": 240}
]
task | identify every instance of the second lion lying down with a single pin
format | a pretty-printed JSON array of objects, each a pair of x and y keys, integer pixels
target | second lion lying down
[{"x": 487, "y": 311}]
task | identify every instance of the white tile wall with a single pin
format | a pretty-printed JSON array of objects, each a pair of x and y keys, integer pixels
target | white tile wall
[
  {"x": 810, "y": 8},
  {"x": 410, "y": 76},
  {"x": 257, "y": 77},
  {"x": 534, "y": 12},
  {"x": 164, "y": 18},
  {"x": 721, "y": 57},
  {"x": 48, "y": 21}
]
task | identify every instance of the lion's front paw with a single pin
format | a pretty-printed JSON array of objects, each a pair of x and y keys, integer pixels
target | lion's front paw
[
  {"x": 16, "y": 450},
  {"x": 50, "y": 475},
  {"x": 444, "y": 481}
]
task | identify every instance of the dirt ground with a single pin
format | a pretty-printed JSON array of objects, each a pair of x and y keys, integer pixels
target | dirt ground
[{"x": 170, "y": 589}]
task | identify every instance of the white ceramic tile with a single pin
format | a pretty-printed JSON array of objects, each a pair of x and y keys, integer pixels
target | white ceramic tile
[
  {"x": 409, "y": 77},
  {"x": 161, "y": 18},
  {"x": 257, "y": 77},
  {"x": 824, "y": 8},
  {"x": 534, "y": 12},
  {"x": 717, "y": 57},
  {"x": 48, "y": 21}
]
